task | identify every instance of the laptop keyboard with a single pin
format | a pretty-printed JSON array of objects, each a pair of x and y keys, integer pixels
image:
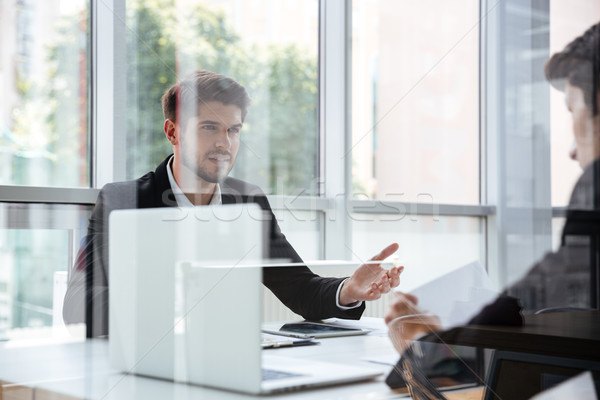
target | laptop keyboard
[{"x": 271, "y": 374}]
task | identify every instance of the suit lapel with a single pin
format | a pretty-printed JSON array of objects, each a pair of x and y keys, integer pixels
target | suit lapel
[
  {"x": 230, "y": 195},
  {"x": 156, "y": 190}
]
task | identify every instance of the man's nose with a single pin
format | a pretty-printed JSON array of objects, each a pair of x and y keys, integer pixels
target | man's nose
[
  {"x": 223, "y": 140},
  {"x": 573, "y": 152}
]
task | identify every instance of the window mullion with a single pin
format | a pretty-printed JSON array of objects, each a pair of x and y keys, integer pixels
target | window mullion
[
  {"x": 108, "y": 92},
  {"x": 335, "y": 160}
]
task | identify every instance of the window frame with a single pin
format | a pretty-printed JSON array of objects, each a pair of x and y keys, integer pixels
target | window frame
[{"x": 334, "y": 204}]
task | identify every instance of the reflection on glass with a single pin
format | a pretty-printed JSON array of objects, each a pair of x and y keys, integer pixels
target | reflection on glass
[
  {"x": 44, "y": 83},
  {"x": 567, "y": 19},
  {"x": 568, "y": 276},
  {"x": 415, "y": 100},
  {"x": 258, "y": 43},
  {"x": 543, "y": 326},
  {"x": 426, "y": 369},
  {"x": 37, "y": 245}
]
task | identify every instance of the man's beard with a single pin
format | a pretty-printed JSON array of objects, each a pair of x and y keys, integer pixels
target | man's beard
[{"x": 218, "y": 176}]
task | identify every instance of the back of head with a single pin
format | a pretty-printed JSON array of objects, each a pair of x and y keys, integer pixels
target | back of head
[
  {"x": 181, "y": 101},
  {"x": 579, "y": 65}
]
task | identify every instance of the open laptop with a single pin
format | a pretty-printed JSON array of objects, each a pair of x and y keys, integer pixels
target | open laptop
[
  {"x": 222, "y": 310},
  {"x": 144, "y": 246},
  {"x": 147, "y": 336}
]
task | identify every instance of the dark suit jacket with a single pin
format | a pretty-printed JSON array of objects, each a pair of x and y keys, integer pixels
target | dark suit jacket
[
  {"x": 560, "y": 279},
  {"x": 305, "y": 293}
]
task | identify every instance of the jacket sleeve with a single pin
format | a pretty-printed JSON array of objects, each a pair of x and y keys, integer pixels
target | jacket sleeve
[
  {"x": 86, "y": 299},
  {"x": 301, "y": 290}
]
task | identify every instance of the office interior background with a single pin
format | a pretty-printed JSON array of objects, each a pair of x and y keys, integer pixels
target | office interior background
[{"x": 428, "y": 123}]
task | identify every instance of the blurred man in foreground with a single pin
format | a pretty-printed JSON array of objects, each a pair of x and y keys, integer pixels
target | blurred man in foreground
[{"x": 561, "y": 278}]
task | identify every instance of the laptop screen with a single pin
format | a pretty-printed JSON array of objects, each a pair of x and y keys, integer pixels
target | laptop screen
[{"x": 522, "y": 375}]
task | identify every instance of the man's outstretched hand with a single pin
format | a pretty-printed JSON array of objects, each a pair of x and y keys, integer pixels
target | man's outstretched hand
[{"x": 370, "y": 281}]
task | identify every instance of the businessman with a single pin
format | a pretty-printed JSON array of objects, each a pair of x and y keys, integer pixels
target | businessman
[
  {"x": 553, "y": 282},
  {"x": 204, "y": 116},
  {"x": 548, "y": 284}
]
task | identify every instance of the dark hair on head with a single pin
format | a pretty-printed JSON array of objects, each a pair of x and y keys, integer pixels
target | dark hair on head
[
  {"x": 182, "y": 99},
  {"x": 579, "y": 65}
]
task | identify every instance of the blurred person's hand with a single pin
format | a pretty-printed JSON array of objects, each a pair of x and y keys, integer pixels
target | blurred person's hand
[{"x": 406, "y": 321}]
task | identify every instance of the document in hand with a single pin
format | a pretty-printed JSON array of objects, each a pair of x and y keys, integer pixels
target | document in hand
[{"x": 458, "y": 295}]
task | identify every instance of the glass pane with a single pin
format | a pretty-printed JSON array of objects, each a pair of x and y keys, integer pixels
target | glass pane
[
  {"x": 429, "y": 246},
  {"x": 567, "y": 21},
  {"x": 269, "y": 47},
  {"x": 537, "y": 131},
  {"x": 303, "y": 230},
  {"x": 415, "y": 100},
  {"x": 560, "y": 278},
  {"x": 37, "y": 249},
  {"x": 44, "y": 74}
]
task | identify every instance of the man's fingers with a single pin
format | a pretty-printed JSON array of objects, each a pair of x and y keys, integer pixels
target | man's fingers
[
  {"x": 403, "y": 304},
  {"x": 385, "y": 253},
  {"x": 373, "y": 293},
  {"x": 394, "y": 276},
  {"x": 384, "y": 283}
]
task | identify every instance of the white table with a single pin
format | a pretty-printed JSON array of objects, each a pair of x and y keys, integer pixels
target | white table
[{"x": 79, "y": 369}]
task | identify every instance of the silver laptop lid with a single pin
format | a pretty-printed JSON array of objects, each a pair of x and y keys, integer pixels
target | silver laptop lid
[
  {"x": 144, "y": 247},
  {"x": 222, "y": 310}
]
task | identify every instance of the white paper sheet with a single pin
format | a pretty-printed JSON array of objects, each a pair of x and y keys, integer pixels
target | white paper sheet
[{"x": 458, "y": 295}]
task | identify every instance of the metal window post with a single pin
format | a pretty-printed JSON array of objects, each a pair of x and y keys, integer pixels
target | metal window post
[{"x": 336, "y": 160}]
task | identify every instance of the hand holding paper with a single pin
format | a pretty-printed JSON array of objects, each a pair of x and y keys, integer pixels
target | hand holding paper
[{"x": 451, "y": 299}]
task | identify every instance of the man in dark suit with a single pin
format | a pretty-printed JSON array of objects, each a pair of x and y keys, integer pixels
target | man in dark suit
[
  {"x": 204, "y": 115},
  {"x": 561, "y": 278}
]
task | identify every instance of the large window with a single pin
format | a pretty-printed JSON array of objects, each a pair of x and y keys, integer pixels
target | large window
[
  {"x": 270, "y": 47},
  {"x": 45, "y": 142},
  {"x": 44, "y": 132},
  {"x": 415, "y": 100},
  {"x": 458, "y": 146}
]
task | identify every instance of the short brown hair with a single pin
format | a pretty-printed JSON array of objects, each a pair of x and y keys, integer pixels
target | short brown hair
[
  {"x": 579, "y": 65},
  {"x": 183, "y": 98}
]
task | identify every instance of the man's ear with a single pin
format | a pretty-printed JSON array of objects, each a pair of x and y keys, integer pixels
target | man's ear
[{"x": 170, "y": 129}]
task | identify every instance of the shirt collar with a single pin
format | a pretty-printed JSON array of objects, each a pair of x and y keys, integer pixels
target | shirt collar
[{"x": 181, "y": 198}]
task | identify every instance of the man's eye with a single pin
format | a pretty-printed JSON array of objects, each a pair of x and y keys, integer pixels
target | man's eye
[
  {"x": 234, "y": 130},
  {"x": 208, "y": 127}
]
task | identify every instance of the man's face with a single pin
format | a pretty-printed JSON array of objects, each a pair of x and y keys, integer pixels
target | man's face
[
  {"x": 586, "y": 128},
  {"x": 210, "y": 140}
]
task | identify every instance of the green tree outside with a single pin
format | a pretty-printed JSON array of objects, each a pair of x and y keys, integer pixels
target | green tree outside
[{"x": 279, "y": 148}]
